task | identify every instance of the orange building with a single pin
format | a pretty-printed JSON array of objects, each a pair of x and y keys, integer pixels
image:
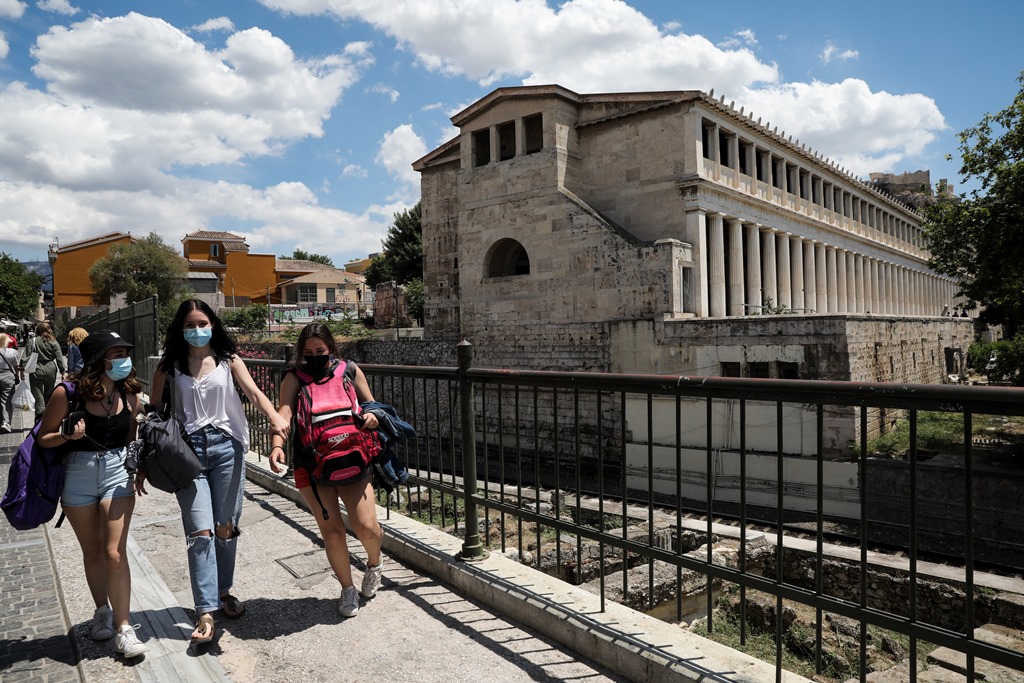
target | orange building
[
  {"x": 71, "y": 284},
  {"x": 360, "y": 265}
]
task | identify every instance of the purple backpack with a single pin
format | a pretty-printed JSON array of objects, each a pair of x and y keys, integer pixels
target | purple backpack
[{"x": 34, "y": 481}]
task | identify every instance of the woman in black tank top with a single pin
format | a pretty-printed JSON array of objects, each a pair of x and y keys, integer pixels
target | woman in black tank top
[{"x": 92, "y": 418}]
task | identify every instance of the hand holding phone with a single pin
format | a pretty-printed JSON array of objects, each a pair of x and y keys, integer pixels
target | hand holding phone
[{"x": 68, "y": 424}]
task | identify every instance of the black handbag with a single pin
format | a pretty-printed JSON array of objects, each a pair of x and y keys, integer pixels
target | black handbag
[{"x": 167, "y": 458}]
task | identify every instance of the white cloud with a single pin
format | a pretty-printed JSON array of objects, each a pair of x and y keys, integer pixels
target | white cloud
[
  {"x": 215, "y": 24},
  {"x": 832, "y": 52},
  {"x": 354, "y": 171},
  {"x": 398, "y": 149},
  {"x": 5, "y": 47},
  {"x": 382, "y": 89},
  {"x": 12, "y": 9},
  {"x": 671, "y": 26},
  {"x": 739, "y": 38},
  {"x": 132, "y": 102},
  {"x": 859, "y": 129},
  {"x": 58, "y": 7},
  {"x": 434, "y": 106}
]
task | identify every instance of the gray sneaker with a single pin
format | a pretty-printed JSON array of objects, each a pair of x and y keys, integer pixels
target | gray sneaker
[
  {"x": 371, "y": 580},
  {"x": 349, "y": 604},
  {"x": 102, "y": 624},
  {"x": 128, "y": 644}
]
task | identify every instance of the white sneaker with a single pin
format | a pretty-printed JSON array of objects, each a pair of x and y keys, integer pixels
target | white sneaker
[
  {"x": 128, "y": 644},
  {"x": 102, "y": 624},
  {"x": 349, "y": 604},
  {"x": 371, "y": 580}
]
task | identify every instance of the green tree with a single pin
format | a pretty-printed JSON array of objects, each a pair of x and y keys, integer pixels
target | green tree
[
  {"x": 414, "y": 298},
  {"x": 402, "y": 260},
  {"x": 251, "y": 318},
  {"x": 300, "y": 255},
  {"x": 19, "y": 289},
  {"x": 979, "y": 239},
  {"x": 139, "y": 270}
]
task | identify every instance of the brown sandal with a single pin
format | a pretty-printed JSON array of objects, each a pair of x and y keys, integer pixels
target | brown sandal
[
  {"x": 231, "y": 606},
  {"x": 204, "y": 630}
]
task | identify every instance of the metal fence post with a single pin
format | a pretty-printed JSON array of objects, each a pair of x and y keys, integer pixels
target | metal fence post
[{"x": 472, "y": 549}]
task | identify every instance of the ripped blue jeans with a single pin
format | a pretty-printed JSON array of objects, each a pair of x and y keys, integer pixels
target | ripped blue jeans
[{"x": 214, "y": 498}]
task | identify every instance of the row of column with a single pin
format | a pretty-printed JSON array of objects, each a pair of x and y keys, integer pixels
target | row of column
[
  {"x": 748, "y": 264},
  {"x": 727, "y": 150}
]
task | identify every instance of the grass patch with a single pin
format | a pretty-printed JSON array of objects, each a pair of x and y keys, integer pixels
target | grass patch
[{"x": 944, "y": 432}]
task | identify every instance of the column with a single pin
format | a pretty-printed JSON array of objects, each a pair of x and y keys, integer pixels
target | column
[
  {"x": 736, "y": 291},
  {"x": 753, "y": 269},
  {"x": 903, "y": 296},
  {"x": 875, "y": 280},
  {"x": 858, "y": 278},
  {"x": 769, "y": 277},
  {"x": 820, "y": 279},
  {"x": 796, "y": 262},
  {"x": 716, "y": 266},
  {"x": 785, "y": 274},
  {"x": 810, "y": 278},
  {"x": 831, "y": 280},
  {"x": 841, "y": 281},
  {"x": 696, "y": 235},
  {"x": 851, "y": 282}
]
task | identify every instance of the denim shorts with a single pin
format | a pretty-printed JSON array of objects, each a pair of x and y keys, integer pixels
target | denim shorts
[{"x": 92, "y": 476}]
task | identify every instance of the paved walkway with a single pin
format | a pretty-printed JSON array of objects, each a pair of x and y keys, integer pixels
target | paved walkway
[{"x": 436, "y": 619}]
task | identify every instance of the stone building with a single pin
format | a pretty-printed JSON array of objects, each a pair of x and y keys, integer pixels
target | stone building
[{"x": 669, "y": 232}]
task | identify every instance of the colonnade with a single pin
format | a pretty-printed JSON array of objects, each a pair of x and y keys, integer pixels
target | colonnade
[{"x": 748, "y": 264}]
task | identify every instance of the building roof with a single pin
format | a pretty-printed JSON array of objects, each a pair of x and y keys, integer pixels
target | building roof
[
  {"x": 199, "y": 263},
  {"x": 328, "y": 275},
  {"x": 92, "y": 241},
  {"x": 235, "y": 246},
  {"x": 212, "y": 235},
  {"x": 290, "y": 265}
]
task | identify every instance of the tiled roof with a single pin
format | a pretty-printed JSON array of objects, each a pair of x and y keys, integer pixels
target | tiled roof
[
  {"x": 290, "y": 264},
  {"x": 92, "y": 240},
  {"x": 236, "y": 246},
  {"x": 328, "y": 275},
  {"x": 198, "y": 263},
  {"x": 212, "y": 235}
]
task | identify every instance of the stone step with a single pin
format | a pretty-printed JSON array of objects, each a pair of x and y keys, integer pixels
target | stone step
[{"x": 1009, "y": 638}]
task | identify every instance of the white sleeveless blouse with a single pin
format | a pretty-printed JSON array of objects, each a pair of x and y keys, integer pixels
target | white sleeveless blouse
[{"x": 212, "y": 400}]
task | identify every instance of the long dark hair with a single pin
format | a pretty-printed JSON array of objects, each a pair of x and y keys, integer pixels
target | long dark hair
[
  {"x": 176, "y": 348},
  {"x": 319, "y": 331}
]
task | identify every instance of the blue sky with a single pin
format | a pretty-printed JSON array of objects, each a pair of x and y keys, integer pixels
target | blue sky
[{"x": 294, "y": 122}]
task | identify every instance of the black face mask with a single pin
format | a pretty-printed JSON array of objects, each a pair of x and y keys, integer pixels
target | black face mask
[{"x": 316, "y": 365}]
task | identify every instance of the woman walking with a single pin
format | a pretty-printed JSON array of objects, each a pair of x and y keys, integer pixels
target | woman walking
[
  {"x": 50, "y": 366},
  {"x": 316, "y": 362},
  {"x": 98, "y": 498},
  {"x": 200, "y": 369},
  {"x": 10, "y": 377},
  {"x": 75, "y": 337}
]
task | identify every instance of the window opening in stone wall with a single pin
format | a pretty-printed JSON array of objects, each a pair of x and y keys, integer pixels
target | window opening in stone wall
[
  {"x": 533, "y": 133},
  {"x": 789, "y": 370},
  {"x": 482, "y": 147},
  {"x": 507, "y": 257},
  {"x": 777, "y": 172},
  {"x": 763, "y": 159},
  {"x": 724, "y": 158},
  {"x": 759, "y": 370},
  {"x": 815, "y": 193},
  {"x": 792, "y": 179},
  {"x": 744, "y": 151},
  {"x": 307, "y": 294},
  {"x": 506, "y": 140},
  {"x": 729, "y": 369},
  {"x": 804, "y": 181},
  {"x": 686, "y": 289},
  {"x": 331, "y": 296},
  {"x": 214, "y": 250},
  {"x": 705, "y": 140}
]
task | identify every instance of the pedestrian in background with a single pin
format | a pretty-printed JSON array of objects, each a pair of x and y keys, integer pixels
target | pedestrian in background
[
  {"x": 98, "y": 496},
  {"x": 201, "y": 368},
  {"x": 10, "y": 376},
  {"x": 75, "y": 338},
  {"x": 50, "y": 366},
  {"x": 316, "y": 357}
]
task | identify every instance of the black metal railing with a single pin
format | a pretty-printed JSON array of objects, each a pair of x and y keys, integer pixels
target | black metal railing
[
  {"x": 136, "y": 322},
  {"x": 570, "y": 469}
]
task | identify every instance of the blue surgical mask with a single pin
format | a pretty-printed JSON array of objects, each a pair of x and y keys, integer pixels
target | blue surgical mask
[
  {"x": 198, "y": 336},
  {"x": 119, "y": 368}
]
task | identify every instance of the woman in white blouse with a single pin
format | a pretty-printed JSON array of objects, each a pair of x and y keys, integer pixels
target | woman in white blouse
[{"x": 200, "y": 361}]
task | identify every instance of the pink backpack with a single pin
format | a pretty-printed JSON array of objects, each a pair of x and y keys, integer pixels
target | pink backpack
[{"x": 328, "y": 418}]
